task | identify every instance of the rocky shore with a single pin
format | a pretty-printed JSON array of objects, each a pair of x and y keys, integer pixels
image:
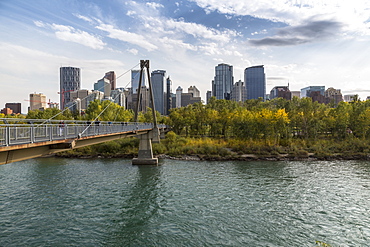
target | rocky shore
[{"x": 234, "y": 157}]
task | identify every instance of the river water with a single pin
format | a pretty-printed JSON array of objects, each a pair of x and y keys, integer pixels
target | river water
[{"x": 109, "y": 202}]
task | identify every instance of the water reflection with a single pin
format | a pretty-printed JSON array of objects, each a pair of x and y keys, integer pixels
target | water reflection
[{"x": 139, "y": 207}]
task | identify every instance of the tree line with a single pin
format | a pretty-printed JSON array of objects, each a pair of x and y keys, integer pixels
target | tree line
[{"x": 272, "y": 121}]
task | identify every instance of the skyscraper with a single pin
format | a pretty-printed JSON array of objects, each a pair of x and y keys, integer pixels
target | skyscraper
[
  {"x": 223, "y": 81},
  {"x": 135, "y": 77},
  {"x": 70, "y": 80},
  {"x": 103, "y": 85},
  {"x": 178, "y": 97},
  {"x": 194, "y": 90},
  {"x": 255, "y": 82},
  {"x": 239, "y": 92},
  {"x": 281, "y": 92},
  {"x": 208, "y": 96},
  {"x": 111, "y": 76},
  {"x": 158, "y": 79},
  {"x": 82, "y": 95},
  {"x": 169, "y": 96},
  {"x": 307, "y": 91}
]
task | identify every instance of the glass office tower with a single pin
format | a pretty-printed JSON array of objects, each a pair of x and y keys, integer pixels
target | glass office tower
[
  {"x": 223, "y": 81},
  {"x": 255, "y": 82}
]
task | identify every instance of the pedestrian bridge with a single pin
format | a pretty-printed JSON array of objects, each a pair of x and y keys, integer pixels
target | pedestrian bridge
[{"x": 22, "y": 139}]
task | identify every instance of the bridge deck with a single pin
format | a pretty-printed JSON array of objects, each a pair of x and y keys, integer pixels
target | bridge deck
[{"x": 24, "y": 141}]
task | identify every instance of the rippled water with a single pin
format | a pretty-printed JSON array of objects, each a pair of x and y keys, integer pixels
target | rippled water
[{"x": 109, "y": 202}]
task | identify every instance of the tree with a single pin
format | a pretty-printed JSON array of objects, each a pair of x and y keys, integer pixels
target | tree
[{"x": 107, "y": 111}]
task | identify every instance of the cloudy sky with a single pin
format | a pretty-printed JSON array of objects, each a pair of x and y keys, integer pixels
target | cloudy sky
[{"x": 300, "y": 42}]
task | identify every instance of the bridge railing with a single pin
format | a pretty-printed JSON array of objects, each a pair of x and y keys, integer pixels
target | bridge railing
[{"x": 13, "y": 134}]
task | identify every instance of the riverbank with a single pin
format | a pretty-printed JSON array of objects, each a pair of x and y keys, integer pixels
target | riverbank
[
  {"x": 243, "y": 157},
  {"x": 203, "y": 148}
]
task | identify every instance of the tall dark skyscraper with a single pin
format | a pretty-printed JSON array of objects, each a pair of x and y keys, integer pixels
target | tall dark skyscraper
[
  {"x": 168, "y": 95},
  {"x": 158, "y": 79},
  {"x": 223, "y": 81},
  {"x": 70, "y": 80},
  {"x": 255, "y": 82},
  {"x": 111, "y": 76}
]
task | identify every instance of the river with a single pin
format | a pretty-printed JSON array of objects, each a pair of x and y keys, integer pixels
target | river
[{"x": 109, "y": 202}]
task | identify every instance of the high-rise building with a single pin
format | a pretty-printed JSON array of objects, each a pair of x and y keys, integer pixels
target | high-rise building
[
  {"x": 194, "y": 90},
  {"x": 281, "y": 92},
  {"x": 208, "y": 96},
  {"x": 118, "y": 97},
  {"x": 144, "y": 99},
  {"x": 178, "y": 97},
  {"x": 223, "y": 81},
  {"x": 111, "y": 76},
  {"x": 333, "y": 95},
  {"x": 94, "y": 95},
  {"x": 135, "y": 77},
  {"x": 15, "y": 107},
  {"x": 184, "y": 99},
  {"x": 70, "y": 80},
  {"x": 103, "y": 85},
  {"x": 307, "y": 91},
  {"x": 158, "y": 79},
  {"x": 82, "y": 95},
  {"x": 37, "y": 101},
  {"x": 239, "y": 92},
  {"x": 255, "y": 82},
  {"x": 74, "y": 106},
  {"x": 349, "y": 97},
  {"x": 188, "y": 99},
  {"x": 168, "y": 95}
]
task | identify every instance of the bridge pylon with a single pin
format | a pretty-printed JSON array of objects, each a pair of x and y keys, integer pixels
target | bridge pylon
[{"x": 145, "y": 155}]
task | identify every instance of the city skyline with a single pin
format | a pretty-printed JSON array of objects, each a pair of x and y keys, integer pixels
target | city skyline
[{"x": 302, "y": 43}]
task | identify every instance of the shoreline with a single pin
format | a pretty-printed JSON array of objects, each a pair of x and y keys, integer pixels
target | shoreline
[{"x": 243, "y": 157}]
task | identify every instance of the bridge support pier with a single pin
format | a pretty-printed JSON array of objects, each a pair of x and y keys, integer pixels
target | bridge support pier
[{"x": 145, "y": 155}]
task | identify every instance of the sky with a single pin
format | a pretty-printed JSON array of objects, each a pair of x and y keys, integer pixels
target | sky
[{"x": 299, "y": 42}]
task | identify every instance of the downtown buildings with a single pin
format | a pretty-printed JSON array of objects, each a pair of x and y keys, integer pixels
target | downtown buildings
[
  {"x": 77, "y": 99},
  {"x": 253, "y": 87}
]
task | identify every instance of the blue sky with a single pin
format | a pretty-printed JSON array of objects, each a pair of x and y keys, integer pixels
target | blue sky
[{"x": 300, "y": 42}]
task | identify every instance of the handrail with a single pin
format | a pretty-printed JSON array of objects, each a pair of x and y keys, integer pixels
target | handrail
[{"x": 14, "y": 134}]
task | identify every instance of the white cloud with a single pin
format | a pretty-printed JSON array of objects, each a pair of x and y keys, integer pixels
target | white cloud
[
  {"x": 154, "y": 5},
  {"x": 353, "y": 13},
  {"x": 68, "y": 33},
  {"x": 125, "y": 36},
  {"x": 39, "y": 23},
  {"x": 155, "y": 23},
  {"x": 84, "y": 18},
  {"x": 133, "y": 51},
  {"x": 198, "y": 30},
  {"x": 176, "y": 44}
]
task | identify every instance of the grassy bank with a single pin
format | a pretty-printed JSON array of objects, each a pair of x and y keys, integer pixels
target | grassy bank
[{"x": 232, "y": 149}]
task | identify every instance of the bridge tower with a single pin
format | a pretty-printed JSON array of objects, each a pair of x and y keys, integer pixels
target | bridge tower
[{"x": 145, "y": 155}]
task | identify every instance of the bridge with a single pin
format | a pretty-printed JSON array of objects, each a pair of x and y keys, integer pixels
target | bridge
[{"x": 22, "y": 139}]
